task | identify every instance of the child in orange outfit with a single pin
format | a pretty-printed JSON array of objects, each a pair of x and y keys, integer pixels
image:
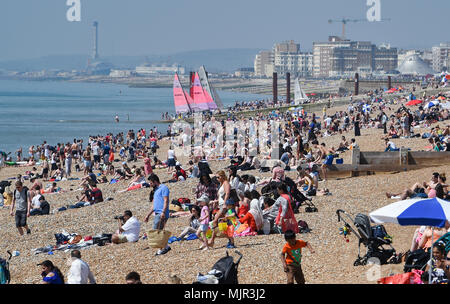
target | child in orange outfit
[{"x": 291, "y": 257}]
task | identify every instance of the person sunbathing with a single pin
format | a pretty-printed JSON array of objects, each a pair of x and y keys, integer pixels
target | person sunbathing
[
  {"x": 419, "y": 190},
  {"x": 52, "y": 189},
  {"x": 139, "y": 178}
]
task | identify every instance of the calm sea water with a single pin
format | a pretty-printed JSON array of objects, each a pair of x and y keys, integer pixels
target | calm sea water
[{"x": 34, "y": 111}]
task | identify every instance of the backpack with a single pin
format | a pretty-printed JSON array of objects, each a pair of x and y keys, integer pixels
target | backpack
[{"x": 303, "y": 227}]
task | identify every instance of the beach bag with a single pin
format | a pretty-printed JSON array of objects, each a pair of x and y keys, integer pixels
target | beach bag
[
  {"x": 223, "y": 226},
  {"x": 158, "y": 238},
  {"x": 288, "y": 222}
]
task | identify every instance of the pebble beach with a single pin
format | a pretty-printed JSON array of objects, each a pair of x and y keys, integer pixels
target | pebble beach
[{"x": 332, "y": 262}]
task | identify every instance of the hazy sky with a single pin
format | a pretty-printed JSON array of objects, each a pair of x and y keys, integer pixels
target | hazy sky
[{"x": 34, "y": 28}]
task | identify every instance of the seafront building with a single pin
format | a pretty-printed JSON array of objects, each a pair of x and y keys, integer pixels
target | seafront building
[
  {"x": 285, "y": 57},
  {"x": 264, "y": 64},
  {"x": 441, "y": 57},
  {"x": 339, "y": 57},
  {"x": 148, "y": 70}
]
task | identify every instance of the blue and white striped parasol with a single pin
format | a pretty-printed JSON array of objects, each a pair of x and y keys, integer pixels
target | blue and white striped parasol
[
  {"x": 414, "y": 212},
  {"x": 432, "y": 212}
]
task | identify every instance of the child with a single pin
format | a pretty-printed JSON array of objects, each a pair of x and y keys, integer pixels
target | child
[
  {"x": 291, "y": 257},
  {"x": 231, "y": 219},
  {"x": 194, "y": 224},
  {"x": 204, "y": 222}
]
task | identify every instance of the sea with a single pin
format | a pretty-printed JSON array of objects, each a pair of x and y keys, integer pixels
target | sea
[{"x": 61, "y": 111}]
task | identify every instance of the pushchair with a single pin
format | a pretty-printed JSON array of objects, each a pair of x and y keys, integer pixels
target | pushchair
[
  {"x": 270, "y": 190},
  {"x": 373, "y": 237},
  {"x": 5, "y": 276},
  {"x": 224, "y": 271}
]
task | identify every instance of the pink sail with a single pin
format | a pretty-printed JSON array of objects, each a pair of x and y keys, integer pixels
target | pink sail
[
  {"x": 200, "y": 101},
  {"x": 190, "y": 102},
  {"x": 179, "y": 98},
  {"x": 211, "y": 104}
]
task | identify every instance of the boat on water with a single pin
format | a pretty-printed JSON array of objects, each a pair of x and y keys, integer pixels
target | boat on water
[
  {"x": 299, "y": 95},
  {"x": 201, "y": 97}
]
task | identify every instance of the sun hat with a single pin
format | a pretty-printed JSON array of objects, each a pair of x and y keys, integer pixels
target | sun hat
[{"x": 203, "y": 198}]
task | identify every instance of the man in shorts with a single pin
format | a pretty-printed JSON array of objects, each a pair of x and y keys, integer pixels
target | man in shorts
[
  {"x": 160, "y": 207},
  {"x": 22, "y": 202}
]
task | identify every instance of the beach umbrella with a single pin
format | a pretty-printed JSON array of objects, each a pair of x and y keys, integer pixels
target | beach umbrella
[
  {"x": 414, "y": 102},
  {"x": 432, "y": 212},
  {"x": 431, "y": 104}
]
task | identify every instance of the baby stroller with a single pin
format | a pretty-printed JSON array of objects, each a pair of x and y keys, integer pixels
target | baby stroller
[
  {"x": 5, "y": 276},
  {"x": 373, "y": 237},
  {"x": 270, "y": 190},
  {"x": 224, "y": 271}
]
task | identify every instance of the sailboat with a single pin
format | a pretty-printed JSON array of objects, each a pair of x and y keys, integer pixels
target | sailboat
[
  {"x": 209, "y": 89},
  {"x": 201, "y": 101},
  {"x": 180, "y": 97},
  {"x": 299, "y": 95}
]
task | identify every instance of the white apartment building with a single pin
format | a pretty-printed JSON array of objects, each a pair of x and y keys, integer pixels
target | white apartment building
[
  {"x": 263, "y": 64},
  {"x": 441, "y": 57}
]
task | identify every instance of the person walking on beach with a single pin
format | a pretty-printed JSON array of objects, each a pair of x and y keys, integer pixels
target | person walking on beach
[
  {"x": 356, "y": 123},
  {"x": 22, "y": 202},
  {"x": 291, "y": 257},
  {"x": 160, "y": 207},
  {"x": 68, "y": 162}
]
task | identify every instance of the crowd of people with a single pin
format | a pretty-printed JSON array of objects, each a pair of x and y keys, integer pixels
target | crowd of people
[{"x": 227, "y": 203}]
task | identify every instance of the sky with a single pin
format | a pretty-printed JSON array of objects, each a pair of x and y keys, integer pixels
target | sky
[{"x": 31, "y": 29}]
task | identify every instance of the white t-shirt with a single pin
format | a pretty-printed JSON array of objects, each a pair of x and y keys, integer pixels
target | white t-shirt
[
  {"x": 132, "y": 228},
  {"x": 35, "y": 203},
  {"x": 392, "y": 145},
  {"x": 170, "y": 154}
]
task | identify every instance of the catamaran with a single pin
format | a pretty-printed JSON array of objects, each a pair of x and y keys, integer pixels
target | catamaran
[{"x": 201, "y": 96}]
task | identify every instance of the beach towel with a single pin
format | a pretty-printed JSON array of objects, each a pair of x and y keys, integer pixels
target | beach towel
[{"x": 139, "y": 186}]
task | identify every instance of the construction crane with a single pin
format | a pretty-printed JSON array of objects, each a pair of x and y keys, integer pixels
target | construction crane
[{"x": 344, "y": 21}]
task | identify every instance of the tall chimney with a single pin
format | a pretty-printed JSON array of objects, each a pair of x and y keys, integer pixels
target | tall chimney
[
  {"x": 275, "y": 88},
  {"x": 95, "y": 55},
  {"x": 356, "y": 84},
  {"x": 288, "y": 88}
]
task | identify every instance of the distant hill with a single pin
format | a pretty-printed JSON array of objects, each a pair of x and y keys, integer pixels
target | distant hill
[{"x": 218, "y": 60}]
